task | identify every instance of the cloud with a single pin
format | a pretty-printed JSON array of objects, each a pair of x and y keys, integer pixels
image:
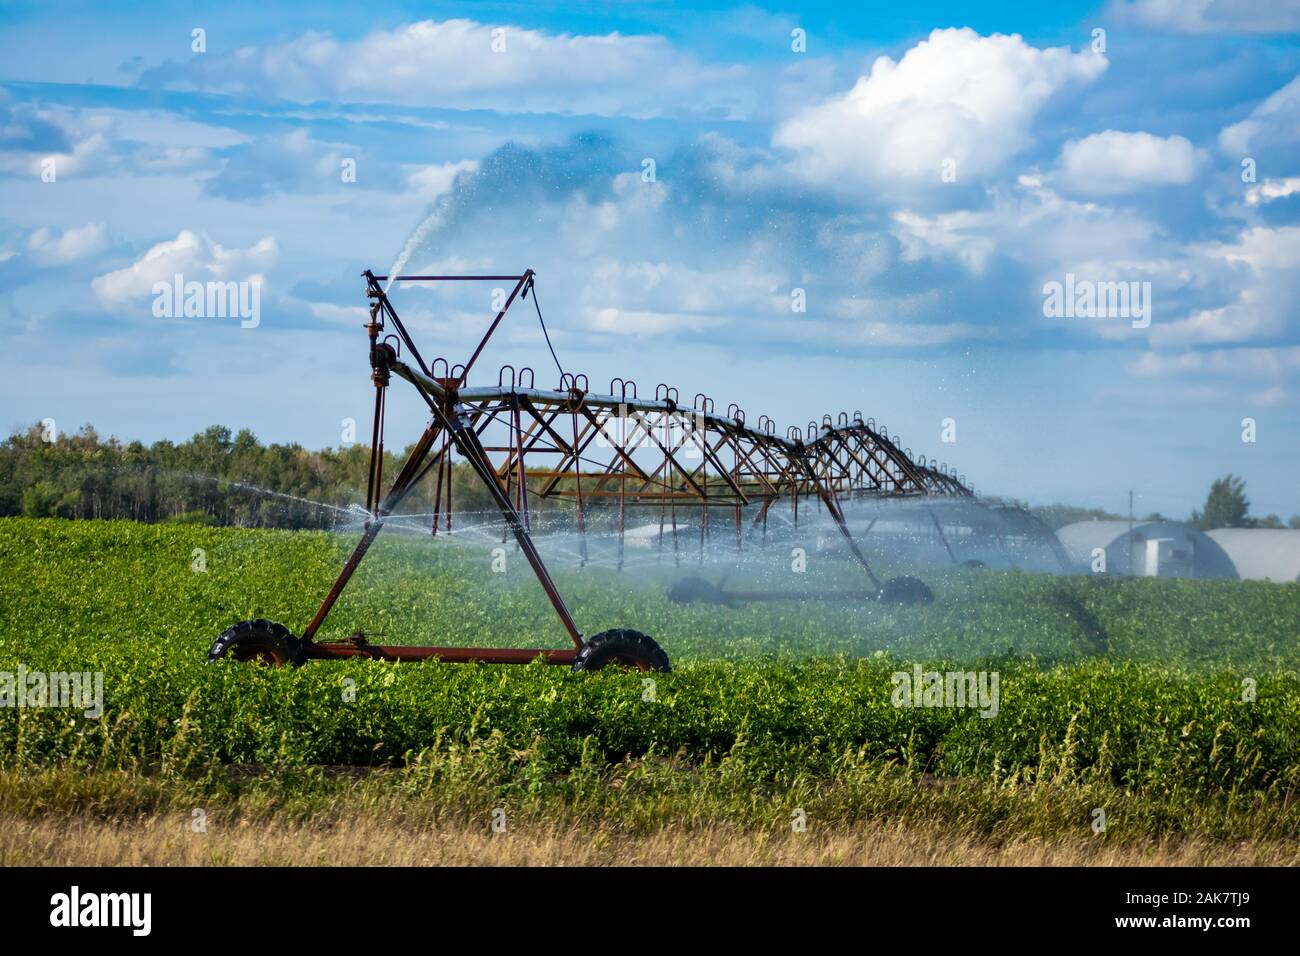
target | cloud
[
  {"x": 1252, "y": 363},
  {"x": 1035, "y": 227},
  {"x": 1112, "y": 162},
  {"x": 190, "y": 254},
  {"x": 75, "y": 243},
  {"x": 1265, "y": 264},
  {"x": 87, "y": 141},
  {"x": 901, "y": 333},
  {"x": 1276, "y": 121},
  {"x": 86, "y": 157},
  {"x": 674, "y": 296},
  {"x": 1211, "y": 16},
  {"x": 1272, "y": 189},
  {"x": 1269, "y": 397},
  {"x": 23, "y": 128},
  {"x": 955, "y": 96},
  {"x": 293, "y": 162},
  {"x": 430, "y": 182},
  {"x": 1245, "y": 368},
  {"x": 465, "y": 64}
]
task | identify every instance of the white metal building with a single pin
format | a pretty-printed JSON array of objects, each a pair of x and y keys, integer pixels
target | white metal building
[
  {"x": 1262, "y": 554},
  {"x": 1166, "y": 549}
]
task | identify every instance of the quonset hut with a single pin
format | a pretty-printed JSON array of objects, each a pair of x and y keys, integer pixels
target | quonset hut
[
  {"x": 1166, "y": 549},
  {"x": 1262, "y": 554}
]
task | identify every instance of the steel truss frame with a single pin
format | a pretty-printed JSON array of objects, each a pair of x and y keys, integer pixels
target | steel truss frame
[{"x": 614, "y": 449}]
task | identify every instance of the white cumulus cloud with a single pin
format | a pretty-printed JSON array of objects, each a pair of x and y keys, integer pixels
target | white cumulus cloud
[
  {"x": 50, "y": 248},
  {"x": 955, "y": 96},
  {"x": 1266, "y": 262},
  {"x": 190, "y": 254},
  {"x": 1112, "y": 162}
]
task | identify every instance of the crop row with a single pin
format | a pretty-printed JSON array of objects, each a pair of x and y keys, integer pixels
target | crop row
[{"x": 1153, "y": 685}]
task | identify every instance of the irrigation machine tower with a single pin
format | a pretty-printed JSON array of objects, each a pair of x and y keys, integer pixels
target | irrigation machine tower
[{"x": 615, "y": 450}]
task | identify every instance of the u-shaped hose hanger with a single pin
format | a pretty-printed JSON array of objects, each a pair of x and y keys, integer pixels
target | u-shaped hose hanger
[
  {"x": 446, "y": 368},
  {"x": 575, "y": 385},
  {"x": 502, "y": 374},
  {"x": 532, "y": 378}
]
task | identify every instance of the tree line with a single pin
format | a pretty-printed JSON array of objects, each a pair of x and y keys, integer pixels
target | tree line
[
  {"x": 1226, "y": 506},
  {"x": 220, "y": 477},
  {"x": 214, "y": 478}
]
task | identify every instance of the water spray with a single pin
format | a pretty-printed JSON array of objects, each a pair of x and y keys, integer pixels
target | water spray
[{"x": 605, "y": 454}]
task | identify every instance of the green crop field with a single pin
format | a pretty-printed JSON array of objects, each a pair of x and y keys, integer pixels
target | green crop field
[{"x": 1162, "y": 690}]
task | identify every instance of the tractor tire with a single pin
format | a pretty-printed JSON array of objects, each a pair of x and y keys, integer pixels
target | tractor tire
[
  {"x": 905, "y": 590},
  {"x": 263, "y": 642},
  {"x": 621, "y": 648}
]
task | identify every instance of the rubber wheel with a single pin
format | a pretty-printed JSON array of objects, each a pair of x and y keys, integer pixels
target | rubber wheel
[
  {"x": 621, "y": 648},
  {"x": 263, "y": 642},
  {"x": 905, "y": 590}
]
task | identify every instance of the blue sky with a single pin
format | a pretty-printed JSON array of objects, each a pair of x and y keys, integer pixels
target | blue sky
[{"x": 920, "y": 171}]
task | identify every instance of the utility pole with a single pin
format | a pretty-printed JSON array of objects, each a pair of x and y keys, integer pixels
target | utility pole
[{"x": 1131, "y": 542}]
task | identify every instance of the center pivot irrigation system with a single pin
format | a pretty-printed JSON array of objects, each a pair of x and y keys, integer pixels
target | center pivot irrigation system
[{"x": 613, "y": 451}]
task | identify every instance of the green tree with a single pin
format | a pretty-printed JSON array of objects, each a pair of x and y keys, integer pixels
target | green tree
[
  {"x": 1226, "y": 506},
  {"x": 45, "y": 499}
]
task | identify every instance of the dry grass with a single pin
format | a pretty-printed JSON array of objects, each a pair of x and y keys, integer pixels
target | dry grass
[
  {"x": 633, "y": 814},
  {"x": 169, "y": 841}
]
